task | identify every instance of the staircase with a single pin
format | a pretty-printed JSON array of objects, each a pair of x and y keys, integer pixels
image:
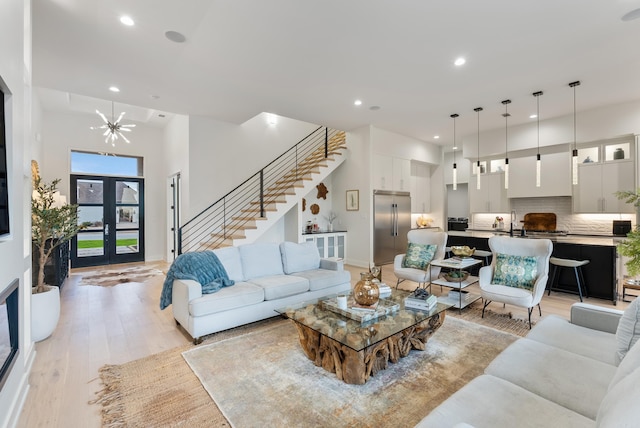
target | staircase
[{"x": 250, "y": 209}]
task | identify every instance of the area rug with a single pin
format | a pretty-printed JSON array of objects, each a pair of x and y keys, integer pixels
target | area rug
[
  {"x": 264, "y": 379},
  {"x": 111, "y": 277},
  {"x": 505, "y": 322}
]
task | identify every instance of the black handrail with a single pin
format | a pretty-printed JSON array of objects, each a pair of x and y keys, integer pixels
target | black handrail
[{"x": 232, "y": 212}]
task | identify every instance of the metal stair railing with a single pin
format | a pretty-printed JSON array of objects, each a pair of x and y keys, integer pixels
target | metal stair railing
[{"x": 242, "y": 207}]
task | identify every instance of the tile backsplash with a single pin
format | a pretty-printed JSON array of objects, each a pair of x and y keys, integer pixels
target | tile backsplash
[{"x": 588, "y": 224}]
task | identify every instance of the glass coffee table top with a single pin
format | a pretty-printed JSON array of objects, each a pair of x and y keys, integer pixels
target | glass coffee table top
[{"x": 355, "y": 334}]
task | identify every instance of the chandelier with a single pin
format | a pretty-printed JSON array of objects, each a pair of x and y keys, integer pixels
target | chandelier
[{"x": 114, "y": 129}]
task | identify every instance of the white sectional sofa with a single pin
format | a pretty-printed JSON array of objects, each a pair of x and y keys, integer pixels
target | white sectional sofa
[
  {"x": 267, "y": 276},
  {"x": 574, "y": 373}
]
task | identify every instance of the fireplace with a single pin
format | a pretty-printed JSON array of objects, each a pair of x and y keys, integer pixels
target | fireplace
[{"x": 8, "y": 330}]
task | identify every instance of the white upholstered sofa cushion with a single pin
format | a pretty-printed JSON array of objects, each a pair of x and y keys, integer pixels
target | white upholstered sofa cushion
[
  {"x": 261, "y": 259},
  {"x": 557, "y": 331},
  {"x": 323, "y": 278},
  {"x": 279, "y": 286},
  {"x": 491, "y": 402},
  {"x": 573, "y": 381},
  {"x": 619, "y": 408},
  {"x": 230, "y": 259},
  {"x": 299, "y": 257},
  {"x": 238, "y": 295},
  {"x": 628, "y": 328}
]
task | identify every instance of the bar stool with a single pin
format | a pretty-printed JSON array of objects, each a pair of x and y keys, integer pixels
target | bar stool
[
  {"x": 484, "y": 255},
  {"x": 577, "y": 269}
]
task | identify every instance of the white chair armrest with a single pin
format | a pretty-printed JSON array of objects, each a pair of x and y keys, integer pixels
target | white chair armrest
[
  {"x": 397, "y": 261},
  {"x": 331, "y": 264},
  {"x": 595, "y": 317},
  {"x": 184, "y": 291},
  {"x": 485, "y": 275}
]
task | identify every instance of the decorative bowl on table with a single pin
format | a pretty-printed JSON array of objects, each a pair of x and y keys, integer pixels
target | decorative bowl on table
[
  {"x": 462, "y": 251},
  {"x": 455, "y": 276}
]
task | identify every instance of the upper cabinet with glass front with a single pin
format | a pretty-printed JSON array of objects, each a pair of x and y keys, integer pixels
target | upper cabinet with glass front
[{"x": 604, "y": 169}]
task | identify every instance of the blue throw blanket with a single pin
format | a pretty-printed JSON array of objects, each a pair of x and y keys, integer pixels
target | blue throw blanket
[{"x": 203, "y": 267}]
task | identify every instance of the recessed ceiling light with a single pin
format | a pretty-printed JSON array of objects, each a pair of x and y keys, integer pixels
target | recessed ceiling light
[
  {"x": 114, "y": 89},
  {"x": 374, "y": 108},
  {"x": 460, "y": 61},
  {"x": 174, "y": 36},
  {"x": 435, "y": 137},
  {"x": 126, "y": 20},
  {"x": 455, "y": 147},
  {"x": 533, "y": 116},
  {"x": 155, "y": 97},
  {"x": 630, "y": 16},
  {"x": 160, "y": 115},
  {"x": 357, "y": 103}
]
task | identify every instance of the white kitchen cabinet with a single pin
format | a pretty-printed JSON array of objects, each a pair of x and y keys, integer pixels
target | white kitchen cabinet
[
  {"x": 555, "y": 173},
  {"x": 401, "y": 174},
  {"x": 390, "y": 173},
  {"x": 597, "y": 184},
  {"x": 420, "y": 187},
  {"x": 330, "y": 244},
  {"x": 492, "y": 196}
]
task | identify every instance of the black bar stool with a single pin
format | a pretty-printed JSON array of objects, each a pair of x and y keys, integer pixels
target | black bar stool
[{"x": 577, "y": 269}]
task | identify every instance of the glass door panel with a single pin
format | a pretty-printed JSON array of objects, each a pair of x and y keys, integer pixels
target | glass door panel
[{"x": 111, "y": 211}]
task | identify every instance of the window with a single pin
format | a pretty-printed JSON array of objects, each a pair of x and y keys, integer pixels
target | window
[{"x": 106, "y": 164}]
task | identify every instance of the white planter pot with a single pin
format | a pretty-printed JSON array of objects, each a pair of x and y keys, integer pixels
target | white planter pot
[{"x": 45, "y": 313}]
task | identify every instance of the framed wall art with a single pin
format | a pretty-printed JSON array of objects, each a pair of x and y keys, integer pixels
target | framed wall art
[{"x": 353, "y": 200}]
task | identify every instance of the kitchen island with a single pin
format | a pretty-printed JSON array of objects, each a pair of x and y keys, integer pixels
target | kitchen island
[{"x": 600, "y": 274}]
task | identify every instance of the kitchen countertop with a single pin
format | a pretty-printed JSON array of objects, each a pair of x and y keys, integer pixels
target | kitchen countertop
[{"x": 607, "y": 240}]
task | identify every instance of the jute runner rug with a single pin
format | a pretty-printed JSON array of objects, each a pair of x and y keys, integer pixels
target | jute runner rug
[{"x": 161, "y": 390}]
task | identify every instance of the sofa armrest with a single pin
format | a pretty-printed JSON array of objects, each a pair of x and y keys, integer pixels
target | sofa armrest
[
  {"x": 184, "y": 291},
  {"x": 332, "y": 264},
  {"x": 595, "y": 317}
]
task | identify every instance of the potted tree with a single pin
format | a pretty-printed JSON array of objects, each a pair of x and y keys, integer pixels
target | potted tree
[
  {"x": 630, "y": 247},
  {"x": 53, "y": 223}
]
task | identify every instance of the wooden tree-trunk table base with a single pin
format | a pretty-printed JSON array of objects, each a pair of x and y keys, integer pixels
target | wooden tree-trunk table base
[{"x": 356, "y": 367}]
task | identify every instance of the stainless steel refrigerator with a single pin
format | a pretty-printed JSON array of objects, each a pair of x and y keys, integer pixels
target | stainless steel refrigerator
[{"x": 391, "y": 222}]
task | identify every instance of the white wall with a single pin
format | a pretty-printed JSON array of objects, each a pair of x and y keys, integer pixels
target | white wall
[
  {"x": 64, "y": 132},
  {"x": 392, "y": 144},
  {"x": 222, "y": 155},
  {"x": 15, "y": 250}
]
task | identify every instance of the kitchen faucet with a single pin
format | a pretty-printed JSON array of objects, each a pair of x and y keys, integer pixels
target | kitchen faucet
[{"x": 513, "y": 220}]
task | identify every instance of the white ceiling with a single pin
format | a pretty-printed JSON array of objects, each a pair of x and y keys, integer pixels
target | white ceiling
[{"x": 310, "y": 60}]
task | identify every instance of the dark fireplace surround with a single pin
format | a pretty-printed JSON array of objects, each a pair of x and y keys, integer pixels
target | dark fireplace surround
[{"x": 9, "y": 334}]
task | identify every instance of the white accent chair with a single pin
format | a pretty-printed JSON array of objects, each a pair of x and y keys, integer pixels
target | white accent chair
[
  {"x": 423, "y": 237},
  {"x": 491, "y": 292}
]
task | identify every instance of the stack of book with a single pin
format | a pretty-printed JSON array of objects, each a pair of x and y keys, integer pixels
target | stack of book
[
  {"x": 385, "y": 290},
  {"x": 420, "y": 299}
]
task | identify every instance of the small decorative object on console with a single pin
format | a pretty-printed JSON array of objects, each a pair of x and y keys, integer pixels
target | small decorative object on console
[
  {"x": 366, "y": 292},
  {"x": 462, "y": 251},
  {"x": 420, "y": 299},
  {"x": 456, "y": 275}
]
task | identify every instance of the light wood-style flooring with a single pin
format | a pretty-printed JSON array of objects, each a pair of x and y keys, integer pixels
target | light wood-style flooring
[{"x": 113, "y": 325}]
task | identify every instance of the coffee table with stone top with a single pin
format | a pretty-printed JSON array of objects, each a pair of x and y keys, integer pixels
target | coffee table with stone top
[{"x": 355, "y": 351}]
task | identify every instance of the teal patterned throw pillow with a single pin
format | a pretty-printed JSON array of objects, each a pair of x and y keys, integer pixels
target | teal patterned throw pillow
[
  {"x": 516, "y": 271},
  {"x": 418, "y": 255}
]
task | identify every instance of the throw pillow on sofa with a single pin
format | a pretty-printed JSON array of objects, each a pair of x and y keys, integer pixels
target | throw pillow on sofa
[
  {"x": 418, "y": 256},
  {"x": 261, "y": 259},
  {"x": 628, "y": 330},
  {"x": 515, "y": 271},
  {"x": 299, "y": 257}
]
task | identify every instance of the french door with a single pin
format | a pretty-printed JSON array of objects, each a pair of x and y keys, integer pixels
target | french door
[{"x": 111, "y": 209}]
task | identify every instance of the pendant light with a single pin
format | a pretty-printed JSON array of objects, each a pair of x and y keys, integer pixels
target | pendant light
[
  {"x": 574, "y": 153},
  {"x": 538, "y": 162},
  {"x": 455, "y": 171},
  {"x": 506, "y": 147},
  {"x": 478, "y": 110}
]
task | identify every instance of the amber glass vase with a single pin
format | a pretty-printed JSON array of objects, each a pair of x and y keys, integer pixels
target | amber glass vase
[{"x": 366, "y": 292}]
